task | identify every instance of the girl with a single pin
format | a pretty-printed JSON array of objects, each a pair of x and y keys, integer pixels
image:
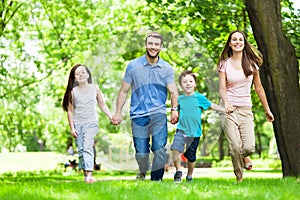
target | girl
[
  {"x": 238, "y": 68},
  {"x": 79, "y": 102}
]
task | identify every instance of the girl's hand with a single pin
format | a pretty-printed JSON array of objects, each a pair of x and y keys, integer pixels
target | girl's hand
[
  {"x": 116, "y": 119},
  {"x": 74, "y": 133}
]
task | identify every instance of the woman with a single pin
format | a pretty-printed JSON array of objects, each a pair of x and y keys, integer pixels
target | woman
[{"x": 238, "y": 69}]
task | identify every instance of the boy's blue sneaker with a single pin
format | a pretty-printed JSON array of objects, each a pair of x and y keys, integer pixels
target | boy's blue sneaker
[{"x": 177, "y": 176}]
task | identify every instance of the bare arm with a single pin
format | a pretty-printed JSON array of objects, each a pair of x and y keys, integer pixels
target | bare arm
[
  {"x": 262, "y": 96},
  {"x": 222, "y": 91},
  {"x": 121, "y": 99},
  {"x": 174, "y": 95},
  {"x": 102, "y": 104},
  {"x": 70, "y": 119},
  {"x": 217, "y": 107}
]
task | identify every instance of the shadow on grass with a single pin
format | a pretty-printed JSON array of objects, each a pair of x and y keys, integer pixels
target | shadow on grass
[
  {"x": 58, "y": 175},
  {"x": 255, "y": 170}
]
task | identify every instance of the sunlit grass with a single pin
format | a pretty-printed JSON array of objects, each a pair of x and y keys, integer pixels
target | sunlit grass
[{"x": 50, "y": 185}]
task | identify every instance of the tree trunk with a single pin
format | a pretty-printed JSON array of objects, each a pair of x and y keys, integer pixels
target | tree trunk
[{"x": 280, "y": 78}]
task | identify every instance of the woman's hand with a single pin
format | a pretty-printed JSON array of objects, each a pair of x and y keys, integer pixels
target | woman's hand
[
  {"x": 229, "y": 108},
  {"x": 269, "y": 115}
]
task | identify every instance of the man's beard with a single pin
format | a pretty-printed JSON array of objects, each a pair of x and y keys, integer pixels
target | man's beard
[{"x": 150, "y": 56}]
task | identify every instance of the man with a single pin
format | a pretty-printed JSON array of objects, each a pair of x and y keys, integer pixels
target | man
[{"x": 150, "y": 78}]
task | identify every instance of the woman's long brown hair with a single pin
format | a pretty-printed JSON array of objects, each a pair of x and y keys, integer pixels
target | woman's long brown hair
[{"x": 250, "y": 59}]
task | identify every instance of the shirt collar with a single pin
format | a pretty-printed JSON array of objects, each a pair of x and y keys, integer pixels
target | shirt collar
[{"x": 158, "y": 64}]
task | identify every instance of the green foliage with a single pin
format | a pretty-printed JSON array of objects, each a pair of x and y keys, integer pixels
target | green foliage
[
  {"x": 291, "y": 24},
  {"x": 40, "y": 41}
]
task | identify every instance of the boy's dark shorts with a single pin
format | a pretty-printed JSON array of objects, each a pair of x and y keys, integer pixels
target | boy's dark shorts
[{"x": 191, "y": 145}]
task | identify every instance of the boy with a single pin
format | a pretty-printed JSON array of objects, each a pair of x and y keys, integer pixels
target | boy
[{"x": 190, "y": 106}]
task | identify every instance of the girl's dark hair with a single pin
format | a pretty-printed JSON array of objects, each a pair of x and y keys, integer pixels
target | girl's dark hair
[
  {"x": 184, "y": 73},
  {"x": 251, "y": 56},
  {"x": 71, "y": 84}
]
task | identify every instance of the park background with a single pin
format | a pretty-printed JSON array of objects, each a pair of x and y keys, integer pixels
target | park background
[{"x": 41, "y": 40}]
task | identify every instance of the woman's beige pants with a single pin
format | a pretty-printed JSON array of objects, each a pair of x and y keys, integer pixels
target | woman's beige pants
[{"x": 238, "y": 127}]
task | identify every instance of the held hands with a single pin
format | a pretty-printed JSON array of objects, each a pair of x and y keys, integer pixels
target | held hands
[
  {"x": 174, "y": 117},
  {"x": 116, "y": 119},
  {"x": 229, "y": 108}
]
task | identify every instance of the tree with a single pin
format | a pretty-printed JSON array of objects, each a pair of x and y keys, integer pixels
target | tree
[{"x": 280, "y": 78}]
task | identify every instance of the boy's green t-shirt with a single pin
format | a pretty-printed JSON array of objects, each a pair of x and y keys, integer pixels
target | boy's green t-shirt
[{"x": 190, "y": 110}]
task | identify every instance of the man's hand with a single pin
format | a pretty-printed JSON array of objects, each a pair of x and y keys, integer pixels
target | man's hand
[
  {"x": 174, "y": 117},
  {"x": 116, "y": 119}
]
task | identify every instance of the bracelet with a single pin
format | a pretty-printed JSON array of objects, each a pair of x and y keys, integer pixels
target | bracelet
[{"x": 174, "y": 109}]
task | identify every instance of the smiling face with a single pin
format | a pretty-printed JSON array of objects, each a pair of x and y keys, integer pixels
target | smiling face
[
  {"x": 188, "y": 84},
  {"x": 81, "y": 75},
  {"x": 153, "y": 46},
  {"x": 237, "y": 42}
]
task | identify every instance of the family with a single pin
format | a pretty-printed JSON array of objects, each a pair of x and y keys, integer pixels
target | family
[{"x": 150, "y": 79}]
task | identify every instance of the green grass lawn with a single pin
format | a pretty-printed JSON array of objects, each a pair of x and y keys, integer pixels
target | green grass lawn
[
  {"x": 35, "y": 176},
  {"x": 54, "y": 185}
]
